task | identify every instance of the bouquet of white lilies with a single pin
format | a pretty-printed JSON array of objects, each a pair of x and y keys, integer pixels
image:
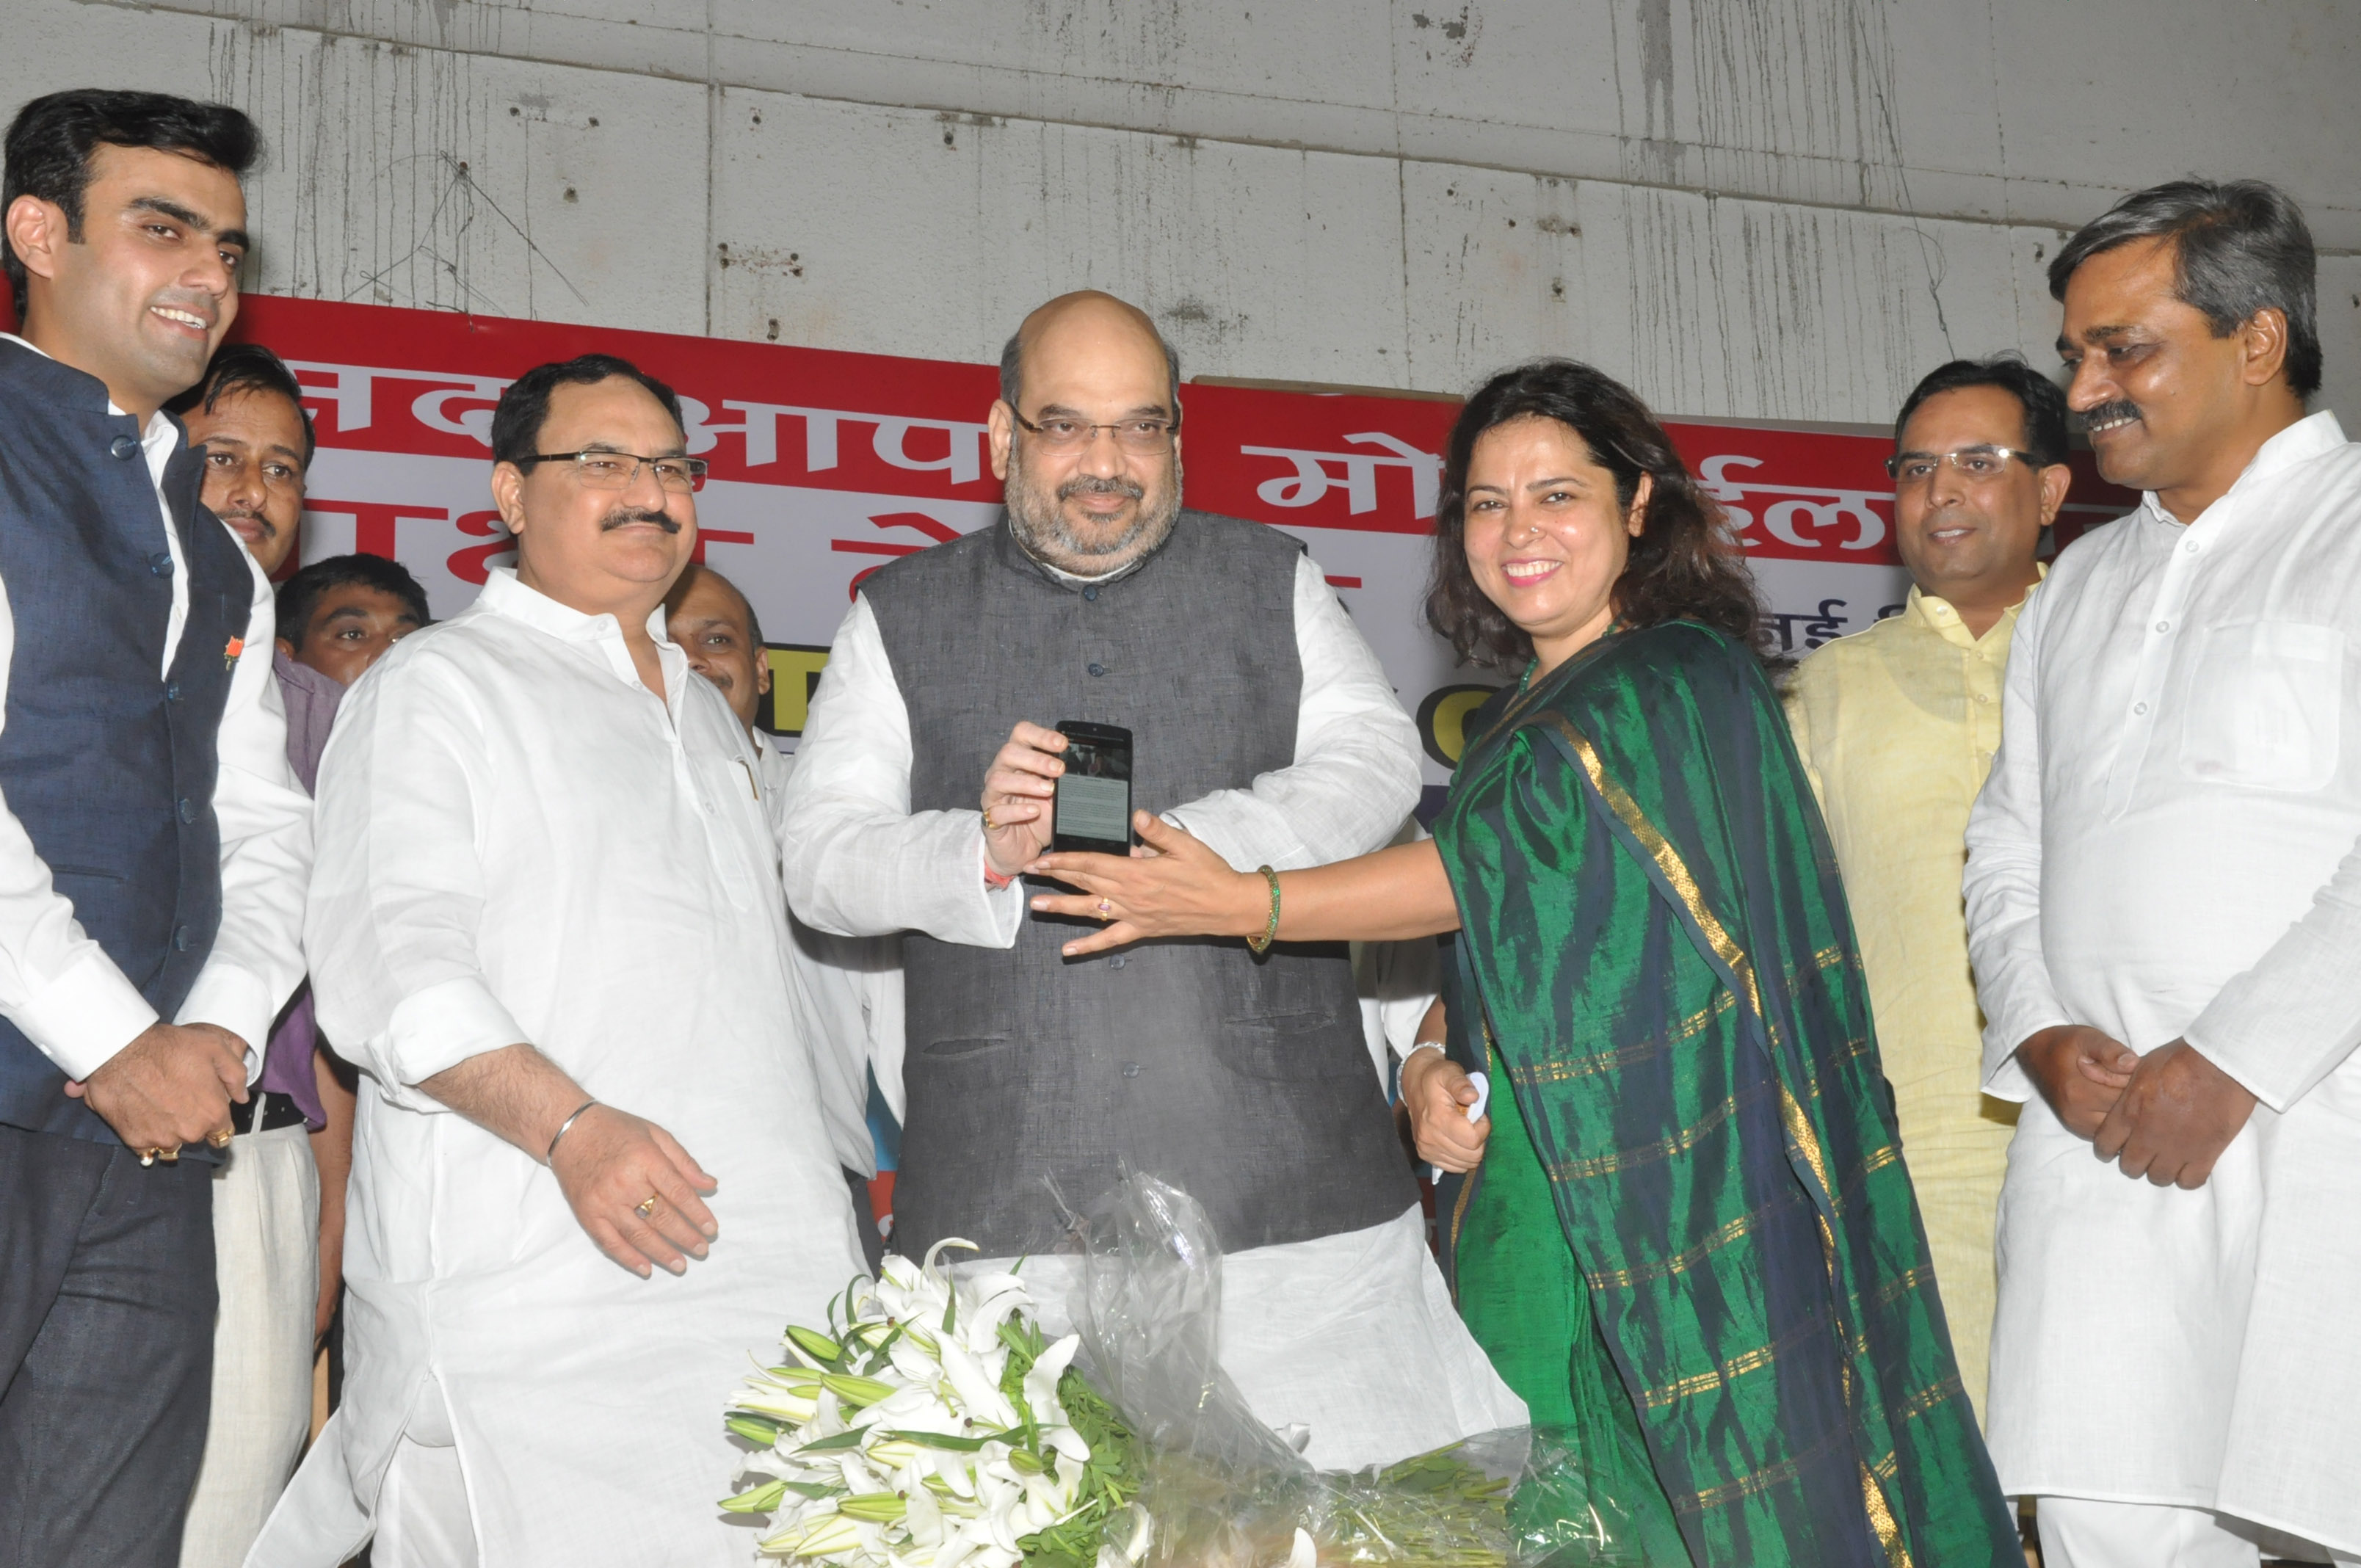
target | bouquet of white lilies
[{"x": 931, "y": 1426}]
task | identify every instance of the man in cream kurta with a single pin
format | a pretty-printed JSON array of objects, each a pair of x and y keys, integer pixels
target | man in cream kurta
[
  {"x": 547, "y": 923},
  {"x": 1897, "y": 725},
  {"x": 2163, "y": 906}
]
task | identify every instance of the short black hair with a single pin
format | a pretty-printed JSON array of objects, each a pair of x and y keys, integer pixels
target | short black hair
[
  {"x": 247, "y": 367},
  {"x": 524, "y": 407},
  {"x": 300, "y": 595},
  {"x": 2239, "y": 246},
  {"x": 2037, "y": 394},
  {"x": 52, "y": 138}
]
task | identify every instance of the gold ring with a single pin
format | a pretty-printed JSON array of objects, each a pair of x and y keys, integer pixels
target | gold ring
[
  {"x": 646, "y": 1210},
  {"x": 1106, "y": 910},
  {"x": 987, "y": 820},
  {"x": 220, "y": 1136},
  {"x": 150, "y": 1156}
]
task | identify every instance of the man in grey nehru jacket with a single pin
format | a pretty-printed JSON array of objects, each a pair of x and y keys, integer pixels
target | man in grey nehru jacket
[{"x": 1263, "y": 723}]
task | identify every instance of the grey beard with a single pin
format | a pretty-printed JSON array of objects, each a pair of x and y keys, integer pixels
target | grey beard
[{"x": 1044, "y": 532}]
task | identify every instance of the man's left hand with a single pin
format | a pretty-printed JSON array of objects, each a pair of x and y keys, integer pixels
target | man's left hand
[{"x": 2174, "y": 1118}]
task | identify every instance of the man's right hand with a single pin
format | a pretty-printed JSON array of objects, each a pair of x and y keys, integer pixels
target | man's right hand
[
  {"x": 1018, "y": 790},
  {"x": 1438, "y": 1093},
  {"x": 2081, "y": 1072},
  {"x": 168, "y": 1087},
  {"x": 609, "y": 1165}
]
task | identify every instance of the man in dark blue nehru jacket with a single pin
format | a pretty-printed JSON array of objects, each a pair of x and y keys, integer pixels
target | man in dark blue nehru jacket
[{"x": 153, "y": 843}]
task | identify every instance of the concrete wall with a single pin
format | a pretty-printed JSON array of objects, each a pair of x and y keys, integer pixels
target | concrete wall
[{"x": 1752, "y": 208}]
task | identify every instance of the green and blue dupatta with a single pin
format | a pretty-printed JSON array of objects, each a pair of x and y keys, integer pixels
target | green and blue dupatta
[{"x": 1654, "y": 931}]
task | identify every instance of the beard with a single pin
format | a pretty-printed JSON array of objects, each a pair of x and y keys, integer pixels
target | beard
[{"x": 1038, "y": 519}]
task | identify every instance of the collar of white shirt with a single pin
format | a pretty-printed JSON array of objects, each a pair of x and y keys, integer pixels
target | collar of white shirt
[
  {"x": 503, "y": 594},
  {"x": 2306, "y": 438}
]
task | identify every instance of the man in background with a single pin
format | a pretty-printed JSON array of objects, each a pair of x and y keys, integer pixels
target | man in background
[
  {"x": 153, "y": 844},
  {"x": 2164, "y": 906},
  {"x": 853, "y": 984},
  {"x": 1897, "y": 725}
]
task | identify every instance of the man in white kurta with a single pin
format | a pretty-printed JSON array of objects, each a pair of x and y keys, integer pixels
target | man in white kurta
[
  {"x": 548, "y": 926},
  {"x": 2168, "y": 859}
]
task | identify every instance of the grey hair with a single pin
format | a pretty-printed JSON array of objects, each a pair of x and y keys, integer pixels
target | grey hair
[
  {"x": 1012, "y": 369},
  {"x": 2239, "y": 246}
]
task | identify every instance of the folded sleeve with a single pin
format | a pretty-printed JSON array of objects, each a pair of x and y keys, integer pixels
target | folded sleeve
[
  {"x": 2003, "y": 881},
  {"x": 1355, "y": 776},
  {"x": 857, "y": 861},
  {"x": 398, "y": 890}
]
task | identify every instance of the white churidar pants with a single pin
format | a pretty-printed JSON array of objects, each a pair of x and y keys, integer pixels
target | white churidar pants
[
  {"x": 267, "y": 1261},
  {"x": 2084, "y": 1532},
  {"x": 1352, "y": 1336},
  {"x": 423, "y": 1516}
]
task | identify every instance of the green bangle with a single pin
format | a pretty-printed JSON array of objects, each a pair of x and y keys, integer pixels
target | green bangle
[{"x": 1260, "y": 945}]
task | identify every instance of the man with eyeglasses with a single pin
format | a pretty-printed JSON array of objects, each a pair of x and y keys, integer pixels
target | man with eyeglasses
[
  {"x": 1263, "y": 723},
  {"x": 589, "y": 1171},
  {"x": 1897, "y": 726}
]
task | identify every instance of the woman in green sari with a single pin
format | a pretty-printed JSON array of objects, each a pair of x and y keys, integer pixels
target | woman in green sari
[{"x": 1690, "y": 1242}]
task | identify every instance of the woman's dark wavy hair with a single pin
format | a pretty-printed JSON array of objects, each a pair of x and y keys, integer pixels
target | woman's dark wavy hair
[{"x": 1685, "y": 565}]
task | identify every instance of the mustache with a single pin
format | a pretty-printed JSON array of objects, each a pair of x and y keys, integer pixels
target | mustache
[
  {"x": 241, "y": 515},
  {"x": 1093, "y": 485},
  {"x": 2121, "y": 408},
  {"x": 623, "y": 517}
]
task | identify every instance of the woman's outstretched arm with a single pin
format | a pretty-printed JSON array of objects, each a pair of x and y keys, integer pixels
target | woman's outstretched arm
[{"x": 1175, "y": 886}]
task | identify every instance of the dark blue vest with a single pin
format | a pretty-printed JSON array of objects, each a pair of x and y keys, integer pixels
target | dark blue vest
[{"x": 109, "y": 767}]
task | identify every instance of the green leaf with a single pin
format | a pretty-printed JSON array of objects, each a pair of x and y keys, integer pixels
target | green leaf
[
  {"x": 810, "y": 1489},
  {"x": 842, "y": 1439},
  {"x": 938, "y": 1439},
  {"x": 877, "y": 1358}
]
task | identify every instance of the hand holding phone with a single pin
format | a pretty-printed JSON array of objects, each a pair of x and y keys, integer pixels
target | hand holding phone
[
  {"x": 1093, "y": 799},
  {"x": 1019, "y": 789}
]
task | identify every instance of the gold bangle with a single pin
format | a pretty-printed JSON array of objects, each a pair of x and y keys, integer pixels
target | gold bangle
[{"x": 1260, "y": 945}]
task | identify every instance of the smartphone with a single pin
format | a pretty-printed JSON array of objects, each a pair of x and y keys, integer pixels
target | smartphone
[{"x": 1093, "y": 809}]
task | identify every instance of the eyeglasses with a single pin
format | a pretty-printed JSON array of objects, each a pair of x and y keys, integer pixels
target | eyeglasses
[
  {"x": 1910, "y": 469},
  {"x": 619, "y": 470},
  {"x": 1147, "y": 437}
]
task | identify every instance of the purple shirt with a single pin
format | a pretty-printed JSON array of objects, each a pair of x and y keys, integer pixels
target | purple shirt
[{"x": 310, "y": 698}]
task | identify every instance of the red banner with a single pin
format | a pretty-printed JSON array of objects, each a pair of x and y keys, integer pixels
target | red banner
[{"x": 827, "y": 464}]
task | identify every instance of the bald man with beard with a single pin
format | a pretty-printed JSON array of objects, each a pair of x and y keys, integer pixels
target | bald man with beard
[{"x": 1262, "y": 723}]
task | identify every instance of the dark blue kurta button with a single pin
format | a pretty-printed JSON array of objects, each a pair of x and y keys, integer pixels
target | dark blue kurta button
[
  {"x": 172, "y": 692},
  {"x": 160, "y": 564},
  {"x": 123, "y": 445},
  {"x": 188, "y": 809},
  {"x": 1098, "y": 669},
  {"x": 1092, "y": 593},
  {"x": 180, "y": 937}
]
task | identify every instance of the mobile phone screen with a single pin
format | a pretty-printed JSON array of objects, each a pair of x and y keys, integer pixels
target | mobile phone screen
[{"x": 1095, "y": 793}]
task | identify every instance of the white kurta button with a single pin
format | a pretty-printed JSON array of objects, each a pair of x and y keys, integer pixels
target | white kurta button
[
  {"x": 2190, "y": 547},
  {"x": 2139, "y": 708},
  {"x": 2164, "y": 626}
]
